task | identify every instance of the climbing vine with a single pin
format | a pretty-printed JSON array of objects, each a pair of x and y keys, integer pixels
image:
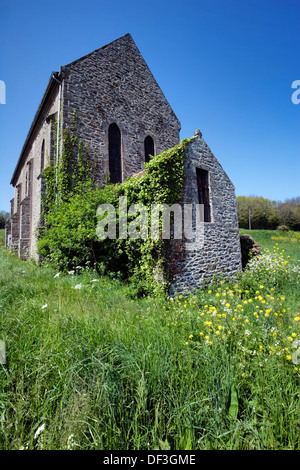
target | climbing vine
[{"x": 69, "y": 237}]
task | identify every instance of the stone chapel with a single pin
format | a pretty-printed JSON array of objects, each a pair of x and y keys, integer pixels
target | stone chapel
[{"x": 123, "y": 117}]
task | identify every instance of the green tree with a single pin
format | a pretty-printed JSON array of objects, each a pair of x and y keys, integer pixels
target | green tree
[{"x": 4, "y": 218}]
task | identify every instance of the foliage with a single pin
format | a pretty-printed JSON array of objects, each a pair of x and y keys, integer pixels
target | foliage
[
  {"x": 263, "y": 213},
  {"x": 87, "y": 367},
  {"x": 4, "y": 218},
  {"x": 69, "y": 236}
]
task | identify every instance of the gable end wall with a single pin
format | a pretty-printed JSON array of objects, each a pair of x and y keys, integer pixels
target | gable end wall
[{"x": 220, "y": 254}]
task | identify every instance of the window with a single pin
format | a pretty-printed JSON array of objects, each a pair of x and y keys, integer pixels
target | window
[
  {"x": 149, "y": 147},
  {"x": 43, "y": 155},
  {"x": 26, "y": 183},
  {"x": 114, "y": 152},
  {"x": 203, "y": 192}
]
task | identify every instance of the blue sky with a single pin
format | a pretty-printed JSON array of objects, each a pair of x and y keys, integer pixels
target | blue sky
[{"x": 226, "y": 67}]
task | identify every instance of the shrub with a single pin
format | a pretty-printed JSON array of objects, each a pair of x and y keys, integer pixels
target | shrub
[
  {"x": 283, "y": 228},
  {"x": 69, "y": 236}
]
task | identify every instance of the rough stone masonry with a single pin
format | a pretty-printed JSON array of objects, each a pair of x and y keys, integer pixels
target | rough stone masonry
[{"x": 120, "y": 109}]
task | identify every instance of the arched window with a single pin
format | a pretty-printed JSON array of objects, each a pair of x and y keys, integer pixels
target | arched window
[
  {"x": 149, "y": 147},
  {"x": 43, "y": 155},
  {"x": 114, "y": 152}
]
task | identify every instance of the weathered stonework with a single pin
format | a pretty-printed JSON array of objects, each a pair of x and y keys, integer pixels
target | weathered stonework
[
  {"x": 114, "y": 84},
  {"x": 110, "y": 85},
  {"x": 113, "y": 87},
  {"x": 218, "y": 253}
]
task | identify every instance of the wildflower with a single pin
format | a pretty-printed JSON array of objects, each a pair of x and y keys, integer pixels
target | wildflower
[
  {"x": 247, "y": 332},
  {"x": 70, "y": 442},
  {"x": 95, "y": 280},
  {"x": 191, "y": 336},
  {"x": 290, "y": 339},
  {"x": 71, "y": 272},
  {"x": 56, "y": 275},
  {"x": 78, "y": 286},
  {"x": 288, "y": 357},
  {"x": 38, "y": 431},
  {"x": 44, "y": 306}
]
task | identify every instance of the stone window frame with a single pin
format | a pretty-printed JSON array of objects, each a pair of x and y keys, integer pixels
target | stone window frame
[
  {"x": 208, "y": 169},
  {"x": 114, "y": 121},
  {"x": 42, "y": 154},
  {"x": 50, "y": 120},
  {"x": 27, "y": 188},
  {"x": 18, "y": 196},
  {"x": 149, "y": 134}
]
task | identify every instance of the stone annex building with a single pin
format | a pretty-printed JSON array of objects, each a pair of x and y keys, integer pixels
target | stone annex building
[{"x": 124, "y": 117}]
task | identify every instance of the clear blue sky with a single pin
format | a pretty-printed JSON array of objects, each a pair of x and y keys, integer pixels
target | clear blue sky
[{"x": 226, "y": 67}]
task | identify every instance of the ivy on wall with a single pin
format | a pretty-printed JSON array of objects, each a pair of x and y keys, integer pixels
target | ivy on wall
[{"x": 69, "y": 239}]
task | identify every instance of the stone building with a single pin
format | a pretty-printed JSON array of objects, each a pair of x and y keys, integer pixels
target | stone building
[
  {"x": 217, "y": 250},
  {"x": 123, "y": 117}
]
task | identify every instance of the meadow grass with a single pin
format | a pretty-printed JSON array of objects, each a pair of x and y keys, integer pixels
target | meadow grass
[{"x": 88, "y": 367}]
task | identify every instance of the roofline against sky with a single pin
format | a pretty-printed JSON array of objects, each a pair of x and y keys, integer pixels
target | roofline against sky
[{"x": 51, "y": 85}]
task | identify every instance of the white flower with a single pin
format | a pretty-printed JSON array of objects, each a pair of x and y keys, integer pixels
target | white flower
[
  {"x": 78, "y": 286},
  {"x": 95, "y": 280},
  {"x": 44, "y": 306},
  {"x": 247, "y": 332},
  {"x": 71, "y": 442},
  {"x": 56, "y": 275},
  {"x": 38, "y": 431},
  {"x": 71, "y": 272}
]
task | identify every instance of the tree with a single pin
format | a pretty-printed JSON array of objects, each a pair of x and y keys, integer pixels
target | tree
[
  {"x": 256, "y": 212},
  {"x": 4, "y": 217}
]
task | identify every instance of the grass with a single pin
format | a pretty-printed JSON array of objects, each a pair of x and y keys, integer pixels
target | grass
[
  {"x": 88, "y": 367},
  {"x": 287, "y": 241}
]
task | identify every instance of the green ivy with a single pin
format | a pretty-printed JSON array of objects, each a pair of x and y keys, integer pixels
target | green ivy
[{"x": 69, "y": 238}]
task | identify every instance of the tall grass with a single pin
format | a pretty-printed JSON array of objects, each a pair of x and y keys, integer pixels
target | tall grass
[{"x": 88, "y": 367}]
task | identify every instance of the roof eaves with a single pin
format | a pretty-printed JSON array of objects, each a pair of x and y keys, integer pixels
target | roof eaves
[{"x": 52, "y": 82}]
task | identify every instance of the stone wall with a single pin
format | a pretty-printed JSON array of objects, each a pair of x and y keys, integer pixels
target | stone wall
[
  {"x": 218, "y": 252},
  {"x": 114, "y": 85},
  {"x": 28, "y": 183}
]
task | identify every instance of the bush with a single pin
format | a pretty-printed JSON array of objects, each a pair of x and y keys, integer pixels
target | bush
[
  {"x": 283, "y": 228},
  {"x": 69, "y": 237}
]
